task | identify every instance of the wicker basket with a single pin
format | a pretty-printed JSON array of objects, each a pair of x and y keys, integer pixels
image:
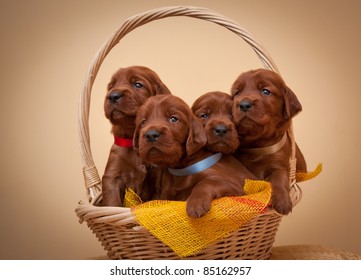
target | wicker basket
[{"x": 116, "y": 227}]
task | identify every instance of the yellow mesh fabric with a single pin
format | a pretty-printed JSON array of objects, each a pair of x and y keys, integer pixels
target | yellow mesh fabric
[
  {"x": 131, "y": 198},
  {"x": 300, "y": 177},
  {"x": 169, "y": 222}
]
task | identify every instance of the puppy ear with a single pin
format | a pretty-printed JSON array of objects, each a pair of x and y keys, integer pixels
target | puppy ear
[
  {"x": 161, "y": 88},
  {"x": 111, "y": 83},
  {"x": 292, "y": 104},
  {"x": 197, "y": 138},
  {"x": 136, "y": 139},
  {"x": 236, "y": 87}
]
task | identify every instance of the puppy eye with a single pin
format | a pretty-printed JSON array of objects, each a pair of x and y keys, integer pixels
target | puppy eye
[
  {"x": 137, "y": 85},
  {"x": 265, "y": 91},
  {"x": 142, "y": 123},
  {"x": 203, "y": 116},
  {"x": 173, "y": 119}
]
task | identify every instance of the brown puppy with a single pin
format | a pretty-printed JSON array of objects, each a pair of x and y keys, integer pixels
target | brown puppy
[
  {"x": 262, "y": 110},
  {"x": 170, "y": 137},
  {"x": 127, "y": 91},
  {"x": 215, "y": 111}
]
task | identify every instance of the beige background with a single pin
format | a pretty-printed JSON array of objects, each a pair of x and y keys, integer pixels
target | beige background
[{"x": 45, "y": 50}]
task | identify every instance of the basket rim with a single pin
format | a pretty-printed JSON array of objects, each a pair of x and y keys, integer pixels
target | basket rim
[
  {"x": 121, "y": 216},
  {"x": 91, "y": 175}
]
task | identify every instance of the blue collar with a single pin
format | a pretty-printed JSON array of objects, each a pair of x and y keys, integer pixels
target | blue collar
[{"x": 197, "y": 167}]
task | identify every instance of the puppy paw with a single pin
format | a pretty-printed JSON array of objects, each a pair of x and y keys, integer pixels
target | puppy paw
[
  {"x": 282, "y": 206},
  {"x": 197, "y": 208}
]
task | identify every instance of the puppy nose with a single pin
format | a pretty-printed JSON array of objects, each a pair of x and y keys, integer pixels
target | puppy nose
[
  {"x": 245, "y": 105},
  {"x": 114, "y": 96},
  {"x": 152, "y": 135},
  {"x": 220, "y": 130}
]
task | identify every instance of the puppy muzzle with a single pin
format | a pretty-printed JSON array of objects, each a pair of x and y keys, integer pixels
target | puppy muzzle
[
  {"x": 115, "y": 96},
  {"x": 220, "y": 130},
  {"x": 152, "y": 135},
  {"x": 245, "y": 105}
]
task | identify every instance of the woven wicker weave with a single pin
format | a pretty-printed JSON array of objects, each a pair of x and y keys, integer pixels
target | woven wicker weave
[{"x": 116, "y": 227}]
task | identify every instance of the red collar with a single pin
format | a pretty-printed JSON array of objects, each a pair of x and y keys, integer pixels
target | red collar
[{"x": 123, "y": 142}]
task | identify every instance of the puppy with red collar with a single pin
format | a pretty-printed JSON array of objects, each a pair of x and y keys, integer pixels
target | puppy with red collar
[{"x": 128, "y": 89}]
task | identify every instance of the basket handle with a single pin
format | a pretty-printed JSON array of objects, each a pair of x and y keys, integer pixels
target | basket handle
[{"x": 90, "y": 172}]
